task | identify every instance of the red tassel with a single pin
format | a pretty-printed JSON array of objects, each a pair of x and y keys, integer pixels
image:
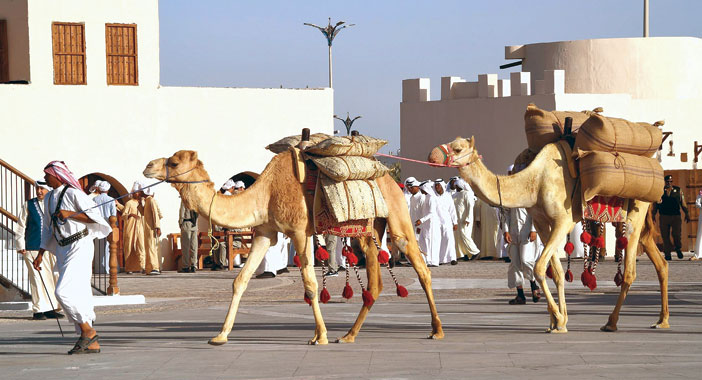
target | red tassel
[
  {"x": 321, "y": 254},
  {"x": 402, "y": 291},
  {"x": 569, "y": 276},
  {"x": 296, "y": 261},
  {"x": 618, "y": 278},
  {"x": 346, "y": 250},
  {"x": 599, "y": 242},
  {"x": 584, "y": 278},
  {"x": 351, "y": 258},
  {"x": 569, "y": 248},
  {"x": 383, "y": 257},
  {"x": 622, "y": 242},
  {"x": 549, "y": 272},
  {"x": 593, "y": 282},
  {"x": 586, "y": 238},
  {"x": 348, "y": 292},
  {"x": 324, "y": 296},
  {"x": 367, "y": 298},
  {"x": 308, "y": 300}
]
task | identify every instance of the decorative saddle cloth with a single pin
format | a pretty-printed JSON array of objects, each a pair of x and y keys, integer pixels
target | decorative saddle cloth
[{"x": 604, "y": 209}]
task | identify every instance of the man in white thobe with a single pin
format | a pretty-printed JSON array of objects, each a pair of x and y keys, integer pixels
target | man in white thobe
[
  {"x": 107, "y": 208},
  {"x": 429, "y": 224},
  {"x": 70, "y": 225},
  {"x": 464, "y": 200},
  {"x": 275, "y": 259},
  {"x": 520, "y": 235},
  {"x": 448, "y": 223},
  {"x": 27, "y": 240}
]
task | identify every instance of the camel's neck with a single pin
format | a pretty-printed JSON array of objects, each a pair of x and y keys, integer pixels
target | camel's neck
[
  {"x": 246, "y": 209},
  {"x": 517, "y": 190}
]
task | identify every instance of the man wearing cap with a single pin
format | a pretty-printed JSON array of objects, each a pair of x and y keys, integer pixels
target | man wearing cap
[
  {"x": 107, "y": 208},
  {"x": 27, "y": 240},
  {"x": 133, "y": 217},
  {"x": 70, "y": 225},
  {"x": 448, "y": 223},
  {"x": 152, "y": 231},
  {"x": 669, "y": 208}
]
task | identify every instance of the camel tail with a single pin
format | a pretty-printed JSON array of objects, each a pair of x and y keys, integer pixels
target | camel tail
[{"x": 649, "y": 230}]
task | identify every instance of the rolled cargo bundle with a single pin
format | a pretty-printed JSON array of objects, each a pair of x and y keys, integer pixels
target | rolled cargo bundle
[
  {"x": 609, "y": 134},
  {"x": 283, "y": 144},
  {"x": 364, "y": 146},
  {"x": 350, "y": 167},
  {"x": 622, "y": 175},
  {"x": 544, "y": 127}
]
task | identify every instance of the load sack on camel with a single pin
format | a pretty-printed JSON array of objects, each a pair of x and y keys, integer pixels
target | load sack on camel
[
  {"x": 622, "y": 175},
  {"x": 544, "y": 127},
  {"x": 350, "y": 167},
  {"x": 354, "y": 200},
  {"x": 286, "y": 143},
  {"x": 609, "y": 134}
]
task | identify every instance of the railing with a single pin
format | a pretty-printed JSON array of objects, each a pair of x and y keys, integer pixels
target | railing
[{"x": 15, "y": 189}]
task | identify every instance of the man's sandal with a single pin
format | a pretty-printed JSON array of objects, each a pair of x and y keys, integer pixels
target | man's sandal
[
  {"x": 82, "y": 344},
  {"x": 517, "y": 301},
  {"x": 535, "y": 295}
]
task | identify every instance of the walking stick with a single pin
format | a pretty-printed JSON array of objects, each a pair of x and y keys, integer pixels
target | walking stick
[{"x": 50, "y": 303}]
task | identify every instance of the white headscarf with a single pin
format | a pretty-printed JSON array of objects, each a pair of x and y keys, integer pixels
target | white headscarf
[
  {"x": 43, "y": 185},
  {"x": 428, "y": 187},
  {"x": 228, "y": 185},
  {"x": 239, "y": 185},
  {"x": 104, "y": 186},
  {"x": 138, "y": 185},
  {"x": 94, "y": 187},
  {"x": 149, "y": 191}
]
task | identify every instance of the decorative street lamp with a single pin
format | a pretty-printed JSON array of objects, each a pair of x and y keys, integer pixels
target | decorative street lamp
[
  {"x": 348, "y": 122},
  {"x": 329, "y": 33}
]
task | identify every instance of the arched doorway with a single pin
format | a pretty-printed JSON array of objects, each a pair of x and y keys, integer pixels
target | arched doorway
[{"x": 247, "y": 177}]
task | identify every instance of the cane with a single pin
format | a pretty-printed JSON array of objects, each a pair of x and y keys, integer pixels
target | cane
[{"x": 50, "y": 303}]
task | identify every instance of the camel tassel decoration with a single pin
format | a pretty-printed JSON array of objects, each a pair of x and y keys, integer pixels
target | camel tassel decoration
[
  {"x": 384, "y": 258},
  {"x": 588, "y": 277},
  {"x": 352, "y": 260},
  {"x": 622, "y": 243},
  {"x": 569, "y": 248}
]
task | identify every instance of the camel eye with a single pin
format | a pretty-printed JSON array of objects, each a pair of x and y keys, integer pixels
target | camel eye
[{"x": 172, "y": 164}]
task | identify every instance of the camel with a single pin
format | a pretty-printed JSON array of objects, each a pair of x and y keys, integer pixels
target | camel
[
  {"x": 548, "y": 192},
  {"x": 276, "y": 203}
]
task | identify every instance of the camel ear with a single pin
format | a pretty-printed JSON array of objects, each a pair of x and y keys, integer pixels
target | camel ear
[
  {"x": 193, "y": 155},
  {"x": 472, "y": 142}
]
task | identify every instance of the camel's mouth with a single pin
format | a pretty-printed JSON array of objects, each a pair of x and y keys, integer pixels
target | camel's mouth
[{"x": 154, "y": 169}]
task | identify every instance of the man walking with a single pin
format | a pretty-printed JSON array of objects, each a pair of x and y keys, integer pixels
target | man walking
[
  {"x": 108, "y": 208},
  {"x": 152, "y": 231},
  {"x": 27, "y": 241},
  {"x": 669, "y": 208},
  {"x": 187, "y": 220}
]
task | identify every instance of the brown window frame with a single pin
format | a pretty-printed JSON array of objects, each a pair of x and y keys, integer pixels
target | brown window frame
[
  {"x": 108, "y": 55},
  {"x": 55, "y": 45},
  {"x": 4, "y": 54}
]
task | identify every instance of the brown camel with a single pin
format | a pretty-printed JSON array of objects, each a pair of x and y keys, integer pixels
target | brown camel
[
  {"x": 548, "y": 192},
  {"x": 276, "y": 203}
]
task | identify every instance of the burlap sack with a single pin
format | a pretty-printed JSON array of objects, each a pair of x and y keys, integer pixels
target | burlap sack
[
  {"x": 623, "y": 175},
  {"x": 350, "y": 167},
  {"x": 283, "y": 144},
  {"x": 364, "y": 146},
  {"x": 544, "y": 127},
  {"x": 354, "y": 200},
  {"x": 609, "y": 134}
]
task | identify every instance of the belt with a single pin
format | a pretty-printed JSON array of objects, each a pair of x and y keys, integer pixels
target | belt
[{"x": 73, "y": 238}]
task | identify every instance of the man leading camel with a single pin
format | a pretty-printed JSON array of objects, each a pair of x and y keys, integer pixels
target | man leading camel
[{"x": 70, "y": 225}]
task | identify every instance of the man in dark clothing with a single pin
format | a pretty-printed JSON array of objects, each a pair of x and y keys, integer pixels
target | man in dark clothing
[{"x": 669, "y": 207}]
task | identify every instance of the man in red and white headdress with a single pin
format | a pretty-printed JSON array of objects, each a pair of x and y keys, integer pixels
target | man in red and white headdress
[{"x": 70, "y": 224}]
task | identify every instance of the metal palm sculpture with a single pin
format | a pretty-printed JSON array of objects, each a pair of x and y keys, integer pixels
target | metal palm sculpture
[
  {"x": 329, "y": 33},
  {"x": 348, "y": 122}
]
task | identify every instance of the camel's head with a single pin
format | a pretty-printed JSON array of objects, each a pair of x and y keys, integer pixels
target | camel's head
[
  {"x": 179, "y": 167},
  {"x": 458, "y": 152}
]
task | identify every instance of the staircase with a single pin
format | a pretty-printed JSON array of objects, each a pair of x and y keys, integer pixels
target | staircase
[{"x": 15, "y": 189}]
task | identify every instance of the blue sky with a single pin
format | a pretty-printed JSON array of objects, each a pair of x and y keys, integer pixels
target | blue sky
[{"x": 226, "y": 43}]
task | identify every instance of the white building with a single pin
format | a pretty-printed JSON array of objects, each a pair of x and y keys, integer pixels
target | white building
[{"x": 84, "y": 88}]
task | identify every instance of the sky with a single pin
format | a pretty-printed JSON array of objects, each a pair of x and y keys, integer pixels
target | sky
[{"x": 263, "y": 43}]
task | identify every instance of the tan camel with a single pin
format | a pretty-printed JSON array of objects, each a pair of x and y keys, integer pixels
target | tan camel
[
  {"x": 548, "y": 192},
  {"x": 276, "y": 203}
]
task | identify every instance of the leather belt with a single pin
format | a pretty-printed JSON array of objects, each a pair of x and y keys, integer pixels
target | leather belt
[{"x": 73, "y": 238}]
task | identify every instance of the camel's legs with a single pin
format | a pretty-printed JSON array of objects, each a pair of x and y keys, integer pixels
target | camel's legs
[
  {"x": 559, "y": 280},
  {"x": 557, "y": 234},
  {"x": 304, "y": 248},
  {"x": 259, "y": 246},
  {"x": 636, "y": 219},
  {"x": 408, "y": 245},
  {"x": 375, "y": 285}
]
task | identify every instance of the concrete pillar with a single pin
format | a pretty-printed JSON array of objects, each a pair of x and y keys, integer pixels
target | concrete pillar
[
  {"x": 520, "y": 83},
  {"x": 447, "y": 86},
  {"x": 415, "y": 90},
  {"x": 554, "y": 82},
  {"x": 539, "y": 87},
  {"x": 503, "y": 88},
  {"x": 487, "y": 85}
]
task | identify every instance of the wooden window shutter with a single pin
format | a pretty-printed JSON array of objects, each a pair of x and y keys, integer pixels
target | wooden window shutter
[
  {"x": 122, "y": 59},
  {"x": 69, "y": 53},
  {"x": 4, "y": 64}
]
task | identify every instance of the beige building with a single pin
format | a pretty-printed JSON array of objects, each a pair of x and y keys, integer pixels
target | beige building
[
  {"x": 640, "y": 79},
  {"x": 81, "y": 84}
]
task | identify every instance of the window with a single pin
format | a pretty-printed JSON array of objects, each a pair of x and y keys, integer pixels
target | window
[
  {"x": 121, "y": 47},
  {"x": 69, "y": 53},
  {"x": 4, "y": 64}
]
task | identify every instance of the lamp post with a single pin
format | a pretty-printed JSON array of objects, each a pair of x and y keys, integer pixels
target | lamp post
[
  {"x": 329, "y": 33},
  {"x": 348, "y": 122}
]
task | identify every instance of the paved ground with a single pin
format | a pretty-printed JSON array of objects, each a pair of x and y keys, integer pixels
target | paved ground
[{"x": 485, "y": 337}]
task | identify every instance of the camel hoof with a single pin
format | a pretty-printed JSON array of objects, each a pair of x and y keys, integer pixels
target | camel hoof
[
  {"x": 608, "y": 328},
  {"x": 436, "y": 335},
  {"x": 660, "y": 325},
  {"x": 217, "y": 341},
  {"x": 346, "y": 339},
  {"x": 316, "y": 341},
  {"x": 557, "y": 330}
]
